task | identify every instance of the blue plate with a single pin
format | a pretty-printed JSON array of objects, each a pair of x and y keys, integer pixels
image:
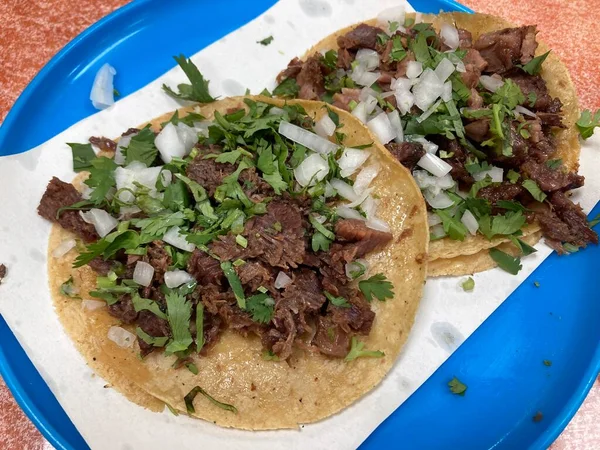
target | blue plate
[{"x": 501, "y": 362}]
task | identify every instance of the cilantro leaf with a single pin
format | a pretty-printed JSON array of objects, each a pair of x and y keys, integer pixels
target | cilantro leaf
[
  {"x": 276, "y": 182},
  {"x": 108, "y": 246},
  {"x": 510, "y": 205},
  {"x": 234, "y": 283},
  {"x": 141, "y": 148},
  {"x": 320, "y": 227},
  {"x": 468, "y": 284},
  {"x": 320, "y": 242},
  {"x": 83, "y": 154},
  {"x": 189, "y": 401},
  {"x": 261, "y": 307},
  {"x": 198, "y": 90},
  {"x": 140, "y": 304},
  {"x": 595, "y": 221},
  {"x": 457, "y": 387},
  {"x": 68, "y": 289},
  {"x": 509, "y": 223},
  {"x": 155, "y": 227},
  {"x": 534, "y": 190},
  {"x": 505, "y": 261},
  {"x": 266, "y": 41},
  {"x": 453, "y": 227},
  {"x": 155, "y": 341},
  {"x": 268, "y": 355},
  {"x": 101, "y": 179},
  {"x": 356, "y": 351},
  {"x": 587, "y": 122},
  {"x": 534, "y": 66},
  {"x": 512, "y": 176},
  {"x": 288, "y": 88},
  {"x": 192, "y": 368},
  {"x": 199, "y": 326},
  {"x": 532, "y": 98},
  {"x": 198, "y": 192},
  {"x": 179, "y": 311},
  {"x": 554, "y": 163},
  {"x": 176, "y": 195},
  {"x": 376, "y": 286},
  {"x": 509, "y": 95},
  {"x": 340, "y": 302}
]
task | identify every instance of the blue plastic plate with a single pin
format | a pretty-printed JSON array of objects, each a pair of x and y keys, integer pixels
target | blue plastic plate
[{"x": 501, "y": 362}]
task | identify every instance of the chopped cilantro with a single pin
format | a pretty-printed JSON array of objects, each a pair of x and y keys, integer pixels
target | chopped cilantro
[
  {"x": 457, "y": 387},
  {"x": 199, "y": 327},
  {"x": 108, "y": 246},
  {"x": 398, "y": 52},
  {"x": 376, "y": 286},
  {"x": 155, "y": 341},
  {"x": 189, "y": 401},
  {"x": 534, "y": 66},
  {"x": 536, "y": 284},
  {"x": 266, "y": 41},
  {"x": 534, "y": 190},
  {"x": 453, "y": 227},
  {"x": 356, "y": 351},
  {"x": 570, "y": 248},
  {"x": 512, "y": 176},
  {"x": 320, "y": 242},
  {"x": 155, "y": 227},
  {"x": 241, "y": 241},
  {"x": 587, "y": 122},
  {"x": 468, "y": 284},
  {"x": 393, "y": 26},
  {"x": 238, "y": 262},
  {"x": 592, "y": 223},
  {"x": 172, "y": 410},
  {"x": 140, "y": 304},
  {"x": 101, "y": 179},
  {"x": 235, "y": 283},
  {"x": 509, "y": 95},
  {"x": 268, "y": 355},
  {"x": 141, "y": 148},
  {"x": 192, "y": 368},
  {"x": 547, "y": 362},
  {"x": 320, "y": 227},
  {"x": 506, "y": 262},
  {"x": 83, "y": 154},
  {"x": 288, "y": 88},
  {"x": 531, "y": 99},
  {"x": 506, "y": 224},
  {"x": 68, "y": 289},
  {"x": 340, "y": 302},
  {"x": 445, "y": 155},
  {"x": 179, "y": 312},
  {"x": 356, "y": 269},
  {"x": 523, "y": 246},
  {"x": 261, "y": 307},
  {"x": 197, "y": 91},
  {"x": 554, "y": 163},
  {"x": 330, "y": 59}
]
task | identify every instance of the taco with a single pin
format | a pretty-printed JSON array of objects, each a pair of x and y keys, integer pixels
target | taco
[
  {"x": 223, "y": 265},
  {"x": 480, "y": 112}
]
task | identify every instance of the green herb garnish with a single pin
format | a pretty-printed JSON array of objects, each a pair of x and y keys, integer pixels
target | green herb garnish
[
  {"x": 189, "y": 401},
  {"x": 356, "y": 351},
  {"x": 376, "y": 286}
]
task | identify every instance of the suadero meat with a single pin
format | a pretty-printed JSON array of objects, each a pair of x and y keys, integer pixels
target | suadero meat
[
  {"x": 205, "y": 268},
  {"x": 478, "y": 130},
  {"x": 311, "y": 79},
  {"x": 408, "y": 153},
  {"x": 344, "y": 59},
  {"x": 59, "y": 195},
  {"x": 457, "y": 161},
  {"x": 291, "y": 71},
  {"x": 474, "y": 65},
  {"x": 342, "y": 100},
  {"x": 475, "y": 100},
  {"x": 465, "y": 39},
  {"x": 330, "y": 338},
  {"x": 550, "y": 180},
  {"x": 534, "y": 85},
  {"x": 364, "y": 238},
  {"x": 504, "y": 49},
  {"x": 363, "y": 36},
  {"x": 208, "y": 173},
  {"x": 358, "y": 318},
  {"x": 123, "y": 309},
  {"x": 254, "y": 275},
  {"x": 100, "y": 266},
  {"x": 504, "y": 191}
]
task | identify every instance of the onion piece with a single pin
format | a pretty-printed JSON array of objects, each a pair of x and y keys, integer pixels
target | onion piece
[
  {"x": 103, "y": 222},
  {"x": 449, "y": 35},
  {"x": 427, "y": 90},
  {"x": 367, "y": 92},
  {"x": 188, "y": 135},
  {"x": 282, "y": 280},
  {"x": 143, "y": 273},
  {"x": 128, "y": 210},
  {"x": 92, "y": 305},
  {"x": 439, "y": 201},
  {"x": 429, "y": 146},
  {"x": 369, "y": 207},
  {"x": 495, "y": 173},
  {"x": 324, "y": 127},
  {"x": 360, "y": 112},
  {"x": 306, "y": 138},
  {"x": 329, "y": 190},
  {"x": 176, "y": 239},
  {"x": 522, "y": 110},
  {"x": 394, "y": 117},
  {"x": 362, "y": 77},
  {"x": 382, "y": 128},
  {"x": 169, "y": 143},
  {"x": 429, "y": 112},
  {"x": 351, "y": 160},
  {"x": 469, "y": 221},
  {"x": 433, "y": 219},
  {"x": 63, "y": 248},
  {"x": 492, "y": 84},
  {"x": 121, "y": 336},
  {"x": 344, "y": 190},
  {"x": 378, "y": 224},
  {"x": 414, "y": 69},
  {"x": 401, "y": 84},
  {"x": 367, "y": 58},
  {"x": 404, "y": 101},
  {"x": 360, "y": 198},
  {"x": 312, "y": 170},
  {"x": 370, "y": 104},
  {"x": 122, "y": 144},
  {"x": 387, "y": 16},
  {"x": 102, "y": 94},
  {"x": 444, "y": 69},
  {"x": 437, "y": 231},
  {"x": 434, "y": 165},
  {"x": 354, "y": 268},
  {"x": 447, "y": 93},
  {"x": 176, "y": 278},
  {"x": 365, "y": 177},
  {"x": 276, "y": 111},
  {"x": 348, "y": 213}
]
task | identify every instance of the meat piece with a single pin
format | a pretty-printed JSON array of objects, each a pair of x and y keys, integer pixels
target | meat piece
[
  {"x": 465, "y": 38},
  {"x": 550, "y": 119},
  {"x": 519, "y": 149},
  {"x": 226, "y": 249},
  {"x": 100, "y": 266},
  {"x": 204, "y": 268},
  {"x": 331, "y": 339},
  {"x": 345, "y": 58},
  {"x": 254, "y": 186},
  {"x": 311, "y": 79},
  {"x": 403, "y": 65},
  {"x": 478, "y": 130},
  {"x": 504, "y": 191},
  {"x": 385, "y": 61},
  {"x": 58, "y": 195},
  {"x": 505, "y": 48},
  {"x": 475, "y": 100},
  {"x": 474, "y": 65},
  {"x": 342, "y": 100},
  {"x": 533, "y": 85},
  {"x": 123, "y": 309},
  {"x": 408, "y": 153},
  {"x": 332, "y": 265},
  {"x": 304, "y": 294},
  {"x": 291, "y": 71},
  {"x": 280, "y": 340},
  {"x": 459, "y": 173},
  {"x": 366, "y": 239},
  {"x": 104, "y": 144},
  {"x": 358, "y": 318},
  {"x": 213, "y": 325},
  {"x": 208, "y": 173},
  {"x": 154, "y": 326},
  {"x": 2, "y": 271},
  {"x": 550, "y": 180},
  {"x": 254, "y": 275},
  {"x": 158, "y": 258},
  {"x": 363, "y": 36}
]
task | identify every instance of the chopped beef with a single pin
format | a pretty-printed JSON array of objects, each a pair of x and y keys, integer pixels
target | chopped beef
[
  {"x": 403, "y": 65},
  {"x": 254, "y": 186},
  {"x": 474, "y": 65},
  {"x": 478, "y": 130},
  {"x": 310, "y": 79},
  {"x": 504, "y": 191},
  {"x": 366, "y": 239},
  {"x": 342, "y": 99},
  {"x": 345, "y": 58},
  {"x": 208, "y": 173},
  {"x": 358, "y": 318},
  {"x": 475, "y": 100},
  {"x": 330, "y": 338},
  {"x": 408, "y": 153},
  {"x": 213, "y": 325},
  {"x": 459, "y": 156},
  {"x": 59, "y": 195},
  {"x": 204, "y": 268},
  {"x": 519, "y": 150},
  {"x": 100, "y": 266},
  {"x": 153, "y": 326},
  {"x": 104, "y": 144},
  {"x": 363, "y": 36},
  {"x": 550, "y": 180},
  {"x": 534, "y": 85},
  {"x": 293, "y": 69},
  {"x": 332, "y": 265},
  {"x": 385, "y": 60},
  {"x": 158, "y": 258},
  {"x": 465, "y": 38},
  {"x": 504, "y": 49},
  {"x": 123, "y": 309},
  {"x": 254, "y": 274},
  {"x": 2, "y": 272},
  {"x": 550, "y": 119}
]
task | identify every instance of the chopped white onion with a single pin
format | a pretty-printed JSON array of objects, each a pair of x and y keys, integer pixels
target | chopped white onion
[
  {"x": 429, "y": 146},
  {"x": 362, "y": 77},
  {"x": 176, "y": 278},
  {"x": 447, "y": 93},
  {"x": 437, "y": 231},
  {"x": 492, "y": 84},
  {"x": 103, "y": 222},
  {"x": 469, "y": 221},
  {"x": 92, "y": 305},
  {"x": 188, "y": 135},
  {"x": 312, "y": 170},
  {"x": 387, "y": 16},
  {"x": 434, "y": 165},
  {"x": 356, "y": 266},
  {"x": 136, "y": 172},
  {"x": 365, "y": 177},
  {"x": 325, "y": 127},
  {"x": 319, "y": 218},
  {"x": 329, "y": 190},
  {"x": 170, "y": 143},
  {"x": 371, "y": 104},
  {"x": 367, "y": 58},
  {"x": 202, "y": 127},
  {"x": 121, "y": 336},
  {"x": 427, "y": 90},
  {"x": 433, "y": 219},
  {"x": 444, "y": 69},
  {"x": 460, "y": 67},
  {"x": 63, "y": 248},
  {"x": 449, "y": 35},
  {"x": 521, "y": 110},
  {"x": 429, "y": 112},
  {"x": 401, "y": 84},
  {"x": 404, "y": 101},
  {"x": 282, "y": 280},
  {"x": 367, "y": 92},
  {"x": 414, "y": 69},
  {"x": 369, "y": 207},
  {"x": 394, "y": 117},
  {"x": 276, "y": 111},
  {"x": 176, "y": 239},
  {"x": 344, "y": 189},
  {"x": 351, "y": 160},
  {"x": 382, "y": 128},
  {"x": 439, "y": 201},
  {"x": 495, "y": 173},
  {"x": 360, "y": 112},
  {"x": 378, "y": 224},
  {"x": 128, "y": 210},
  {"x": 122, "y": 144},
  {"x": 348, "y": 213},
  {"x": 103, "y": 91},
  {"x": 143, "y": 273},
  {"x": 423, "y": 179},
  {"x": 360, "y": 198},
  {"x": 166, "y": 177},
  {"x": 306, "y": 138}
]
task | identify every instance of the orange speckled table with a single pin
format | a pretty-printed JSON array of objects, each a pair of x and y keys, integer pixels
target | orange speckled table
[{"x": 32, "y": 31}]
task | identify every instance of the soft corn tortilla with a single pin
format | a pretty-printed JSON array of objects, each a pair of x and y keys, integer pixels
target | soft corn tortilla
[
  {"x": 267, "y": 394},
  {"x": 559, "y": 84}
]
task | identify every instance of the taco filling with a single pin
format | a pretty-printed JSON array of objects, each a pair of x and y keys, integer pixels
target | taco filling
[
  {"x": 254, "y": 230},
  {"x": 470, "y": 116}
]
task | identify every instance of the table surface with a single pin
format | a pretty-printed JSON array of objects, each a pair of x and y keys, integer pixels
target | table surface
[{"x": 31, "y": 32}]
